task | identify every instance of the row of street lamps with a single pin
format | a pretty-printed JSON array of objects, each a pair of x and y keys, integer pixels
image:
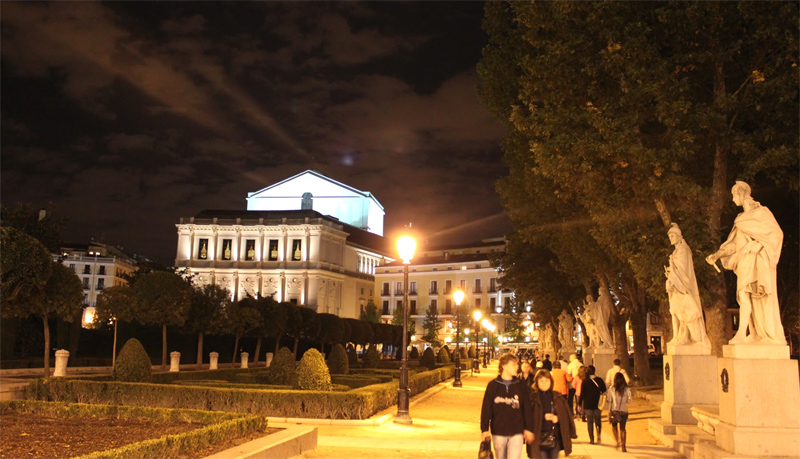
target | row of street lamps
[{"x": 406, "y": 246}]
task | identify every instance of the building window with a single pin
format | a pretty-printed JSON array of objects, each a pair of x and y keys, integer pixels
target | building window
[
  {"x": 202, "y": 249},
  {"x": 85, "y": 283},
  {"x": 493, "y": 284},
  {"x": 492, "y": 302},
  {"x": 477, "y": 286},
  {"x": 434, "y": 287},
  {"x": 413, "y": 307},
  {"x": 85, "y": 299},
  {"x": 87, "y": 269},
  {"x": 412, "y": 288},
  {"x": 386, "y": 307},
  {"x": 464, "y": 286},
  {"x": 399, "y": 306},
  {"x": 226, "y": 249},
  {"x": 448, "y": 306},
  {"x": 72, "y": 267},
  {"x": 102, "y": 270},
  {"x": 478, "y": 303},
  {"x": 398, "y": 289},
  {"x": 296, "y": 253},
  {"x": 101, "y": 284},
  {"x": 250, "y": 249},
  {"x": 507, "y": 301},
  {"x": 273, "y": 250},
  {"x": 362, "y": 290},
  {"x": 385, "y": 290},
  {"x": 293, "y": 301},
  {"x": 434, "y": 306},
  {"x": 435, "y": 269},
  {"x": 448, "y": 287}
]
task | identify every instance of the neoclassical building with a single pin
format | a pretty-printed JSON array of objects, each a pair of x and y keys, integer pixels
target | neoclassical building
[{"x": 297, "y": 255}]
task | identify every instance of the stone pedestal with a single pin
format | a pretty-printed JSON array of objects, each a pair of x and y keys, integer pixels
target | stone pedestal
[
  {"x": 175, "y": 361},
  {"x": 213, "y": 360},
  {"x": 603, "y": 361},
  {"x": 62, "y": 356},
  {"x": 688, "y": 380},
  {"x": 245, "y": 356},
  {"x": 588, "y": 356},
  {"x": 269, "y": 358},
  {"x": 758, "y": 401}
]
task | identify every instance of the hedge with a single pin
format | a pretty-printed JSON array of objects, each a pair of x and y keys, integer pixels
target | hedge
[
  {"x": 358, "y": 403},
  {"x": 221, "y": 426},
  {"x": 356, "y": 381}
]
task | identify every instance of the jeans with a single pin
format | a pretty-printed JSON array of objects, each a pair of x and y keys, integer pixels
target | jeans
[
  {"x": 592, "y": 419},
  {"x": 572, "y": 408},
  {"x": 508, "y": 447},
  {"x": 550, "y": 453}
]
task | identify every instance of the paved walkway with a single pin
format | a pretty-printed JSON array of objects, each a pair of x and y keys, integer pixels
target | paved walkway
[{"x": 447, "y": 425}]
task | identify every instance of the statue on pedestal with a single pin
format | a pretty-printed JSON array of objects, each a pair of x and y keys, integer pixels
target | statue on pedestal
[
  {"x": 684, "y": 298},
  {"x": 566, "y": 332},
  {"x": 752, "y": 252},
  {"x": 600, "y": 312}
]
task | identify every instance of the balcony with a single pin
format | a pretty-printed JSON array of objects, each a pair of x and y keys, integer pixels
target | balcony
[
  {"x": 448, "y": 291},
  {"x": 398, "y": 292},
  {"x": 385, "y": 292},
  {"x": 412, "y": 292},
  {"x": 477, "y": 290},
  {"x": 434, "y": 291},
  {"x": 386, "y": 310}
]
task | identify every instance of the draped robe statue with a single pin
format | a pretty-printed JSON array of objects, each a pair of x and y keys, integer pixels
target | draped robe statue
[
  {"x": 752, "y": 251},
  {"x": 684, "y": 298},
  {"x": 566, "y": 332}
]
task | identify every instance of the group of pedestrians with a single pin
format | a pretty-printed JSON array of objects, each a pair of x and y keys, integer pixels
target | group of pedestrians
[{"x": 536, "y": 408}]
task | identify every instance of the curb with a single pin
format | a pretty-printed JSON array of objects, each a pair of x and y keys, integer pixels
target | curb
[{"x": 290, "y": 442}]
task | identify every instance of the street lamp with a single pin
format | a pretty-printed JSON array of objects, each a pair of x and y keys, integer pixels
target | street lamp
[
  {"x": 405, "y": 246},
  {"x": 490, "y": 328},
  {"x": 477, "y": 316},
  {"x": 458, "y": 297}
]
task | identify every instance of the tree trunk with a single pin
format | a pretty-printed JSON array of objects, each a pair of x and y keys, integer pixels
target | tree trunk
[
  {"x": 641, "y": 358},
  {"x": 46, "y": 347},
  {"x": 258, "y": 350},
  {"x": 235, "y": 348},
  {"x": 296, "y": 342},
  {"x": 75, "y": 335},
  {"x": 164, "y": 347},
  {"x": 278, "y": 343},
  {"x": 199, "y": 350},
  {"x": 666, "y": 323},
  {"x": 114, "y": 346}
]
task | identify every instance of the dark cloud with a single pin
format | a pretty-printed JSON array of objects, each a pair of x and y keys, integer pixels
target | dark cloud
[{"x": 129, "y": 115}]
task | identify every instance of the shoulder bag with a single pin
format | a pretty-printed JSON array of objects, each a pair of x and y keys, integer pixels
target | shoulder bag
[{"x": 548, "y": 440}]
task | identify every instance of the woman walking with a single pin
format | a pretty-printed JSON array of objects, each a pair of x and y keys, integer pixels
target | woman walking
[
  {"x": 506, "y": 411},
  {"x": 553, "y": 425},
  {"x": 577, "y": 382},
  {"x": 526, "y": 374},
  {"x": 619, "y": 396},
  {"x": 591, "y": 390}
]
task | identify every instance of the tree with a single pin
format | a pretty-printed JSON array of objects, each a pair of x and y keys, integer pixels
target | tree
[
  {"x": 356, "y": 331},
  {"x": 515, "y": 315},
  {"x": 273, "y": 321},
  {"x": 643, "y": 114},
  {"x": 209, "y": 304},
  {"x": 35, "y": 224},
  {"x": 331, "y": 330},
  {"x": 162, "y": 298},
  {"x": 397, "y": 319},
  {"x": 431, "y": 326},
  {"x": 371, "y": 313},
  {"x": 62, "y": 298},
  {"x": 116, "y": 303},
  {"x": 241, "y": 317},
  {"x": 26, "y": 266}
]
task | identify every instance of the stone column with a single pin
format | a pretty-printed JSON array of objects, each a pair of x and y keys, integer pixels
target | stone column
[
  {"x": 245, "y": 355},
  {"x": 689, "y": 379},
  {"x": 175, "y": 361},
  {"x": 758, "y": 401},
  {"x": 213, "y": 359},
  {"x": 269, "y": 358},
  {"x": 62, "y": 356}
]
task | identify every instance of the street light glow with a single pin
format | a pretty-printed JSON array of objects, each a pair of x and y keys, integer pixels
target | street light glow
[
  {"x": 406, "y": 246},
  {"x": 458, "y": 297}
]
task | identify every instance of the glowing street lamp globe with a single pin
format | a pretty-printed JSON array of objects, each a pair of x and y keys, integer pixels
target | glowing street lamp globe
[
  {"x": 458, "y": 297},
  {"x": 406, "y": 246}
]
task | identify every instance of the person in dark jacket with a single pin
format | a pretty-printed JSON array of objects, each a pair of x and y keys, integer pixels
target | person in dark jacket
[
  {"x": 591, "y": 390},
  {"x": 546, "y": 363},
  {"x": 506, "y": 411},
  {"x": 551, "y": 413}
]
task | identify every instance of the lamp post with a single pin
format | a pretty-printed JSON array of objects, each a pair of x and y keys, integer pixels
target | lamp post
[
  {"x": 405, "y": 246},
  {"x": 491, "y": 328},
  {"x": 477, "y": 316},
  {"x": 458, "y": 297}
]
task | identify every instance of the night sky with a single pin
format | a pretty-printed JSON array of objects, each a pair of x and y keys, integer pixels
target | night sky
[{"x": 130, "y": 115}]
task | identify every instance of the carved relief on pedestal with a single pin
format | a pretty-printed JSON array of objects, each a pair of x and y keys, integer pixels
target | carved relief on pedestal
[{"x": 248, "y": 286}]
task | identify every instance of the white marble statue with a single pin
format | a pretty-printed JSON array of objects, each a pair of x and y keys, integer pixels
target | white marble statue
[
  {"x": 688, "y": 326},
  {"x": 601, "y": 313},
  {"x": 590, "y": 321},
  {"x": 566, "y": 333},
  {"x": 752, "y": 252}
]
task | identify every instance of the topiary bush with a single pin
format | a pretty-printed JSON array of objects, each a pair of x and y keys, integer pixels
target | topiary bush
[
  {"x": 463, "y": 353},
  {"x": 283, "y": 370},
  {"x": 312, "y": 373},
  {"x": 337, "y": 361},
  {"x": 371, "y": 357},
  {"x": 443, "y": 356},
  {"x": 132, "y": 364},
  {"x": 428, "y": 358},
  {"x": 352, "y": 355},
  {"x": 414, "y": 354}
]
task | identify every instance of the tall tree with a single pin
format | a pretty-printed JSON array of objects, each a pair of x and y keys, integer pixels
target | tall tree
[
  {"x": 644, "y": 114},
  {"x": 241, "y": 317},
  {"x": 371, "y": 313},
  {"x": 209, "y": 306},
  {"x": 162, "y": 298},
  {"x": 26, "y": 266},
  {"x": 37, "y": 223},
  {"x": 116, "y": 303},
  {"x": 431, "y": 326},
  {"x": 273, "y": 321}
]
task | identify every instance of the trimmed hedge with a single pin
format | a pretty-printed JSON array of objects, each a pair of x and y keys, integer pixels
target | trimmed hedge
[
  {"x": 443, "y": 356},
  {"x": 221, "y": 426},
  {"x": 356, "y": 381},
  {"x": 133, "y": 363},
  {"x": 358, "y": 403},
  {"x": 312, "y": 373},
  {"x": 338, "y": 363},
  {"x": 428, "y": 358},
  {"x": 284, "y": 367},
  {"x": 371, "y": 357}
]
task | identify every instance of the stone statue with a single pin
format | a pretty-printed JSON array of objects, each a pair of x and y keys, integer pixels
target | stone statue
[
  {"x": 600, "y": 313},
  {"x": 752, "y": 252},
  {"x": 589, "y": 323},
  {"x": 203, "y": 252},
  {"x": 684, "y": 299},
  {"x": 251, "y": 254},
  {"x": 566, "y": 332}
]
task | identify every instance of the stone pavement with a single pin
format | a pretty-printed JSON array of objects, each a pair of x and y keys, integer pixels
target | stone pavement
[{"x": 447, "y": 425}]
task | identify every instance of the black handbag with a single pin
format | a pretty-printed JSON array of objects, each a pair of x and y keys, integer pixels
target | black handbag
[
  {"x": 485, "y": 451},
  {"x": 615, "y": 416},
  {"x": 548, "y": 440}
]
